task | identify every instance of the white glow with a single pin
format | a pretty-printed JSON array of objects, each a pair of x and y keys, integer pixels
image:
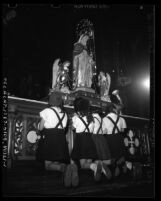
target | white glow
[{"x": 146, "y": 83}]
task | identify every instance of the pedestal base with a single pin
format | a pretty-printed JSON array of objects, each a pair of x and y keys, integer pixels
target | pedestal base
[
  {"x": 87, "y": 93},
  {"x": 86, "y": 89}
]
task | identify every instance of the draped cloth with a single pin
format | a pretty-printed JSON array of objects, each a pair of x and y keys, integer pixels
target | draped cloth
[{"x": 83, "y": 66}]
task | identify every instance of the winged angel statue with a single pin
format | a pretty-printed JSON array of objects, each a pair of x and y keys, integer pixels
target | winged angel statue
[
  {"x": 60, "y": 76},
  {"x": 104, "y": 82}
]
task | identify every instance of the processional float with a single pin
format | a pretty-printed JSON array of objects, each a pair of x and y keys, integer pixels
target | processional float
[{"x": 84, "y": 76}]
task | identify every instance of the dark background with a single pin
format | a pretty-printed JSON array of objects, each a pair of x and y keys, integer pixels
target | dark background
[{"x": 35, "y": 35}]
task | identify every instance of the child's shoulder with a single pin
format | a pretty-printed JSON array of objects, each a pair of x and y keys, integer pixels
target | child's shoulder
[
  {"x": 46, "y": 109},
  {"x": 75, "y": 115},
  {"x": 96, "y": 115}
]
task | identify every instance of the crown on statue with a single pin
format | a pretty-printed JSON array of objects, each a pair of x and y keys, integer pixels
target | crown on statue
[{"x": 84, "y": 27}]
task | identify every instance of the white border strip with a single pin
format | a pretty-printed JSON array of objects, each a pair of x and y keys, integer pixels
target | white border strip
[
  {"x": 141, "y": 118},
  {"x": 28, "y": 100}
]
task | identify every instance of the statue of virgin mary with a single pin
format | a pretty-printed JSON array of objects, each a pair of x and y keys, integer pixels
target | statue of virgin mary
[{"x": 83, "y": 63}]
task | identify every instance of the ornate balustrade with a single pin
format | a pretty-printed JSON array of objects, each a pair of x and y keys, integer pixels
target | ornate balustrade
[{"x": 23, "y": 119}]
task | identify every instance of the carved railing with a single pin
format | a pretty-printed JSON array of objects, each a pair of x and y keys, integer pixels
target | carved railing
[{"x": 23, "y": 118}]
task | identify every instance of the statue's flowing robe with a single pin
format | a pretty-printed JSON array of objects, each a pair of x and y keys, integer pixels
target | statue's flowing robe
[{"x": 83, "y": 66}]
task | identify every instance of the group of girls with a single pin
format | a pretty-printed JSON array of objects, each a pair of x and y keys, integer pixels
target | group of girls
[{"x": 97, "y": 140}]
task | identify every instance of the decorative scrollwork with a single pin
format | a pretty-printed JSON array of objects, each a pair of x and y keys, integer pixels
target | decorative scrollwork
[
  {"x": 32, "y": 136},
  {"x": 19, "y": 127},
  {"x": 32, "y": 123},
  {"x": 144, "y": 147},
  {"x": 132, "y": 142}
]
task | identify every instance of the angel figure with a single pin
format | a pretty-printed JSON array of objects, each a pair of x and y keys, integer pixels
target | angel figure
[
  {"x": 104, "y": 82},
  {"x": 55, "y": 72},
  {"x": 60, "y": 75}
]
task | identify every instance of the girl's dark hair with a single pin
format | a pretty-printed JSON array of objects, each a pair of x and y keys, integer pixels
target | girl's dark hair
[
  {"x": 115, "y": 108},
  {"x": 82, "y": 106},
  {"x": 55, "y": 99},
  {"x": 109, "y": 109},
  {"x": 114, "y": 99}
]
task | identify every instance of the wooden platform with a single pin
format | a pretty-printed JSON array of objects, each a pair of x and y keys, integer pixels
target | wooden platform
[{"x": 30, "y": 179}]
